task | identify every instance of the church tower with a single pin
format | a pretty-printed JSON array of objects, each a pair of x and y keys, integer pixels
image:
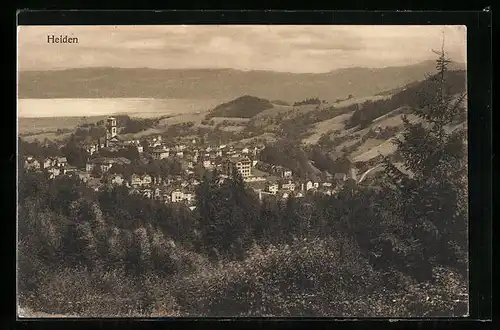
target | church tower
[
  {"x": 111, "y": 128},
  {"x": 111, "y": 132}
]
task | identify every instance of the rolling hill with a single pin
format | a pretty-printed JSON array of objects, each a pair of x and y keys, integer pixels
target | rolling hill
[
  {"x": 221, "y": 84},
  {"x": 243, "y": 107},
  {"x": 366, "y": 133},
  {"x": 359, "y": 129}
]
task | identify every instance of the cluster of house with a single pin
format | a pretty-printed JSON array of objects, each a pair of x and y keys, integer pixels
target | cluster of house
[
  {"x": 172, "y": 190},
  {"x": 176, "y": 189},
  {"x": 209, "y": 157},
  {"x": 284, "y": 188},
  {"x": 275, "y": 181},
  {"x": 54, "y": 166},
  {"x": 158, "y": 149},
  {"x": 274, "y": 169}
]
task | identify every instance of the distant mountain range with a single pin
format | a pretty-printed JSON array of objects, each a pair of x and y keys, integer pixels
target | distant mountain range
[{"x": 222, "y": 84}]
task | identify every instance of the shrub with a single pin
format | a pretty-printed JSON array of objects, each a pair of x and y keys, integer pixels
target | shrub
[
  {"x": 80, "y": 292},
  {"x": 306, "y": 278}
]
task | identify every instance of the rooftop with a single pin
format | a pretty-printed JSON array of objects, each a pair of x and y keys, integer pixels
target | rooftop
[
  {"x": 159, "y": 149},
  {"x": 257, "y": 185},
  {"x": 107, "y": 160},
  {"x": 239, "y": 159}
]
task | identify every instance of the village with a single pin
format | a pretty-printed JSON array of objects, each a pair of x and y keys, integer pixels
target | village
[{"x": 267, "y": 180}]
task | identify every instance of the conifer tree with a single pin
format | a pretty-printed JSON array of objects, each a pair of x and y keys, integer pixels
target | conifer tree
[
  {"x": 428, "y": 194},
  {"x": 207, "y": 205}
]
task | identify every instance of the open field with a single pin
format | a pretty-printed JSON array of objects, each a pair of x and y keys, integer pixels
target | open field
[
  {"x": 385, "y": 148},
  {"x": 394, "y": 121},
  {"x": 218, "y": 120},
  {"x": 334, "y": 124},
  {"x": 51, "y": 136},
  {"x": 232, "y": 128},
  {"x": 138, "y": 135},
  {"x": 367, "y": 146},
  {"x": 196, "y": 118},
  {"x": 397, "y": 112},
  {"x": 268, "y": 137},
  {"x": 355, "y": 100},
  {"x": 276, "y": 109},
  {"x": 51, "y": 124}
]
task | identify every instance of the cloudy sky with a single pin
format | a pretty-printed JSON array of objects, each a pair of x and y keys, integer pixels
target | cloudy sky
[{"x": 306, "y": 48}]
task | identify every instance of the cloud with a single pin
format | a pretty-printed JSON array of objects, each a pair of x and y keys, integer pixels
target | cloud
[{"x": 299, "y": 48}]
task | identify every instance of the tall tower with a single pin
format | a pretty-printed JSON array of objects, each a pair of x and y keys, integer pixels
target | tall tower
[{"x": 111, "y": 128}]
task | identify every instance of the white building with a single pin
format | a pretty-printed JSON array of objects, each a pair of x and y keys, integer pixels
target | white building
[
  {"x": 92, "y": 149},
  {"x": 179, "y": 196},
  {"x": 49, "y": 162},
  {"x": 207, "y": 164},
  {"x": 290, "y": 186},
  {"x": 116, "y": 179},
  {"x": 156, "y": 142},
  {"x": 61, "y": 161},
  {"x": 309, "y": 185},
  {"x": 242, "y": 165},
  {"x": 273, "y": 188},
  {"x": 54, "y": 171},
  {"x": 31, "y": 163},
  {"x": 160, "y": 153},
  {"x": 147, "y": 193},
  {"x": 105, "y": 163}
]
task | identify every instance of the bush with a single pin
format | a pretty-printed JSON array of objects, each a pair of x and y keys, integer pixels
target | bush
[
  {"x": 78, "y": 291},
  {"x": 306, "y": 278},
  {"x": 313, "y": 101}
]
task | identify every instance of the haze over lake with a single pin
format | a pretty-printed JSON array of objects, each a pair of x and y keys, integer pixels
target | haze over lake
[{"x": 140, "y": 107}]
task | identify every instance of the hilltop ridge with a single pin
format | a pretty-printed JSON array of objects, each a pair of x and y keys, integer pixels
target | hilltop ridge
[
  {"x": 243, "y": 107},
  {"x": 223, "y": 84}
]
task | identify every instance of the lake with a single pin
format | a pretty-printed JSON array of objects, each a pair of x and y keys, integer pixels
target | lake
[{"x": 138, "y": 107}]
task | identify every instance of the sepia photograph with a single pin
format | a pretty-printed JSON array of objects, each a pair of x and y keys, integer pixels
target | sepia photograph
[{"x": 242, "y": 171}]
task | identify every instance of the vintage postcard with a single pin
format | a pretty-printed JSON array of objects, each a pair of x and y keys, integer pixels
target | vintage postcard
[{"x": 242, "y": 171}]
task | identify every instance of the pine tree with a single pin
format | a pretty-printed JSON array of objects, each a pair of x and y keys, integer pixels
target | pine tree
[
  {"x": 428, "y": 194},
  {"x": 207, "y": 204}
]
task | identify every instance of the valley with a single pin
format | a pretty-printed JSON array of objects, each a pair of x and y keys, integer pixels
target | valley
[{"x": 329, "y": 126}]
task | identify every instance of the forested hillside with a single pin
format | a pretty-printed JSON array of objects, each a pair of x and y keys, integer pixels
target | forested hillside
[{"x": 243, "y": 107}]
